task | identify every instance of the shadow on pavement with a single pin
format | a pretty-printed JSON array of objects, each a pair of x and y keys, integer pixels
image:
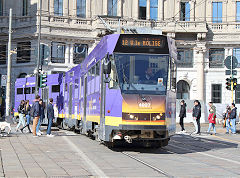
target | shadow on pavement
[{"x": 181, "y": 144}]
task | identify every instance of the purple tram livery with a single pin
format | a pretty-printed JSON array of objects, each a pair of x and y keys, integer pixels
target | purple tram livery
[
  {"x": 25, "y": 90},
  {"x": 124, "y": 91}
]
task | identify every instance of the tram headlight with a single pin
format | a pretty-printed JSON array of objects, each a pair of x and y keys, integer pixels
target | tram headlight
[
  {"x": 158, "y": 117},
  {"x": 131, "y": 116}
]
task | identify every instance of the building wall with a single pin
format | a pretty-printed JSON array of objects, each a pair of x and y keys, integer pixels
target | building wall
[{"x": 199, "y": 33}]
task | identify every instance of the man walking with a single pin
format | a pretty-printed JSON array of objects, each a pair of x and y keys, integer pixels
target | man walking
[
  {"x": 50, "y": 116},
  {"x": 36, "y": 114},
  {"x": 196, "y": 116},
  {"x": 232, "y": 119}
]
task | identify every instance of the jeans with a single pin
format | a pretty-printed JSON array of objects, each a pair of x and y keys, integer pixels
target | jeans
[
  {"x": 28, "y": 119},
  {"x": 35, "y": 122},
  {"x": 50, "y": 121},
  {"x": 39, "y": 124},
  {"x": 21, "y": 121},
  {"x": 28, "y": 123},
  {"x": 232, "y": 126},
  {"x": 211, "y": 125},
  {"x": 196, "y": 123},
  {"x": 181, "y": 123}
]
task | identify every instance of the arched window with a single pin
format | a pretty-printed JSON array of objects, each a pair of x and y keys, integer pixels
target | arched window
[
  {"x": 183, "y": 90},
  {"x": 22, "y": 75}
]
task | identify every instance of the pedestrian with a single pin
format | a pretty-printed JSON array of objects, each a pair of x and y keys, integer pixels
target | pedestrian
[
  {"x": 55, "y": 109},
  {"x": 196, "y": 116},
  {"x": 182, "y": 114},
  {"x": 36, "y": 114},
  {"x": 27, "y": 109},
  {"x": 231, "y": 123},
  {"x": 21, "y": 113},
  {"x": 42, "y": 115},
  {"x": 212, "y": 118},
  {"x": 50, "y": 116}
]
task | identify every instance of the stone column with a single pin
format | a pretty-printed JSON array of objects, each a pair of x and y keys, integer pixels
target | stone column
[
  {"x": 135, "y": 9},
  {"x": 65, "y": 8},
  {"x": 200, "y": 50},
  {"x": 67, "y": 54},
  {"x": 161, "y": 10},
  {"x": 148, "y": 10},
  {"x": 71, "y": 46},
  {"x": 88, "y": 9},
  {"x": 119, "y": 8},
  {"x": 51, "y": 8},
  {"x": 104, "y": 7},
  {"x": 192, "y": 12}
]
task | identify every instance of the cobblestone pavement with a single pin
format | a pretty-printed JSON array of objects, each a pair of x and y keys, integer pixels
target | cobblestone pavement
[{"x": 72, "y": 155}]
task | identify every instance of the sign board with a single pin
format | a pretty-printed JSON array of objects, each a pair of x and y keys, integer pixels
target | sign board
[
  {"x": 231, "y": 62},
  {"x": 228, "y": 72},
  {"x": 4, "y": 80}
]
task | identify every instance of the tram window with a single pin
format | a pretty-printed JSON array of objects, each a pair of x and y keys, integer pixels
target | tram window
[
  {"x": 27, "y": 90},
  {"x": 66, "y": 87},
  {"x": 76, "y": 83},
  {"x": 19, "y": 91},
  {"x": 55, "y": 88},
  {"x": 98, "y": 69},
  {"x": 33, "y": 90}
]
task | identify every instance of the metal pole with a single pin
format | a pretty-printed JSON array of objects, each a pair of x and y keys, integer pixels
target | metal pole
[
  {"x": 8, "y": 89},
  {"x": 232, "y": 75},
  {"x": 38, "y": 47}
]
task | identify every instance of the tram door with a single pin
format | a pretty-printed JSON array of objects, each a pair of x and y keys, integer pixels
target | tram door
[
  {"x": 45, "y": 97},
  {"x": 70, "y": 101},
  {"x": 85, "y": 104}
]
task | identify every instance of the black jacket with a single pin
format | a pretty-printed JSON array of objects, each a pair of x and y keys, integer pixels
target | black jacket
[
  {"x": 36, "y": 107},
  {"x": 197, "y": 111},
  {"x": 233, "y": 113},
  {"x": 50, "y": 111},
  {"x": 183, "y": 111},
  {"x": 21, "y": 109},
  {"x": 41, "y": 108}
]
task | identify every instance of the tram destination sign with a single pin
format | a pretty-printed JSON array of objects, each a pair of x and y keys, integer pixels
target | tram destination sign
[
  {"x": 142, "y": 43},
  {"x": 153, "y": 42}
]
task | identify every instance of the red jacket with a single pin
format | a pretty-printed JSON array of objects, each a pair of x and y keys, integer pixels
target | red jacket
[{"x": 212, "y": 119}]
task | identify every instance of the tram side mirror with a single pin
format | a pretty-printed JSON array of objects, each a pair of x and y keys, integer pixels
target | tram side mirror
[{"x": 107, "y": 66}]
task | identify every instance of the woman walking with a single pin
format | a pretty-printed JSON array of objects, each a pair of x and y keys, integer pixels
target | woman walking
[
  {"x": 21, "y": 115},
  {"x": 196, "y": 116},
  {"x": 182, "y": 114},
  {"x": 212, "y": 118},
  {"x": 27, "y": 109}
]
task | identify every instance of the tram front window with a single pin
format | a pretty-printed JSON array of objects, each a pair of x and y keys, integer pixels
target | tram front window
[{"x": 142, "y": 73}]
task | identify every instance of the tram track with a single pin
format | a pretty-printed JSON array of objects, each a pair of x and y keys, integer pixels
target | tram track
[{"x": 148, "y": 165}]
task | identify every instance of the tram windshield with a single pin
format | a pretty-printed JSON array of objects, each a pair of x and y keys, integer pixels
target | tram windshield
[{"x": 142, "y": 73}]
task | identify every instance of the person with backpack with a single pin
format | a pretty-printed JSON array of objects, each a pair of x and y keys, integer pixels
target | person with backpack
[
  {"x": 35, "y": 111},
  {"x": 182, "y": 114},
  {"x": 27, "y": 109},
  {"x": 196, "y": 113},
  {"x": 50, "y": 116},
  {"x": 212, "y": 118},
  {"x": 21, "y": 113}
]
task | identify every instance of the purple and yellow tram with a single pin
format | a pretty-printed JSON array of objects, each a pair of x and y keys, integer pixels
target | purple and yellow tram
[{"x": 124, "y": 91}]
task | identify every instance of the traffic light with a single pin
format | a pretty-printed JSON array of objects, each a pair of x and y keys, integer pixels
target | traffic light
[
  {"x": 228, "y": 83},
  {"x": 43, "y": 80},
  {"x": 234, "y": 80}
]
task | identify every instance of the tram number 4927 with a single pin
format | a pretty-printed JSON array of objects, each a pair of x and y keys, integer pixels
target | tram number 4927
[{"x": 145, "y": 105}]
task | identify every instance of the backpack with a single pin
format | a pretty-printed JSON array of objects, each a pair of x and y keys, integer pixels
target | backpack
[{"x": 31, "y": 113}]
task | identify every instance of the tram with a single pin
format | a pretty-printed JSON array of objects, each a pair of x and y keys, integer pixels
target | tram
[{"x": 124, "y": 91}]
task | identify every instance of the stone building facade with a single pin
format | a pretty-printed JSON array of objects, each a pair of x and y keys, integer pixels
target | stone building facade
[{"x": 206, "y": 32}]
